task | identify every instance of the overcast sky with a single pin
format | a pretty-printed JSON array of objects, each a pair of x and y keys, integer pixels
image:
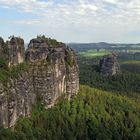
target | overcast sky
[{"x": 72, "y": 20}]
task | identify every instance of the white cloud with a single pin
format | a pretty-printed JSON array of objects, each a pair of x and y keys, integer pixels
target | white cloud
[
  {"x": 70, "y": 16},
  {"x": 111, "y": 1},
  {"x": 28, "y": 22},
  {"x": 75, "y": 8},
  {"x": 27, "y": 5}
]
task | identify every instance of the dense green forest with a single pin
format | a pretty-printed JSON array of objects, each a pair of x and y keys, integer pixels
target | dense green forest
[
  {"x": 92, "y": 115},
  {"x": 106, "y": 108},
  {"x": 128, "y": 82}
]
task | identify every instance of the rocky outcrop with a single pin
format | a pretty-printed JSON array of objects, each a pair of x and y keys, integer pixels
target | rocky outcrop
[
  {"x": 16, "y": 99},
  {"x": 59, "y": 69},
  {"x": 52, "y": 71},
  {"x": 109, "y": 65},
  {"x": 2, "y": 49},
  {"x": 16, "y": 51},
  {"x": 1, "y": 45},
  {"x": 12, "y": 51}
]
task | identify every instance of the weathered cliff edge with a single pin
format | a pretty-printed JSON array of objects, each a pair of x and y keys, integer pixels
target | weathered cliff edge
[{"x": 52, "y": 71}]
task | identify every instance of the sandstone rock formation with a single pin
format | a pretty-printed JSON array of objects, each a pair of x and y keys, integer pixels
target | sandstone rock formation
[
  {"x": 52, "y": 71},
  {"x": 16, "y": 51},
  {"x": 109, "y": 65},
  {"x": 13, "y": 51},
  {"x": 2, "y": 48},
  {"x": 1, "y": 45}
]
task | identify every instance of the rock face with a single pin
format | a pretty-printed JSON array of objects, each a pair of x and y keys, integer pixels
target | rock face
[
  {"x": 52, "y": 71},
  {"x": 16, "y": 99},
  {"x": 2, "y": 48},
  {"x": 13, "y": 51},
  {"x": 1, "y": 45},
  {"x": 16, "y": 51},
  {"x": 109, "y": 65},
  {"x": 60, "y": 74}
]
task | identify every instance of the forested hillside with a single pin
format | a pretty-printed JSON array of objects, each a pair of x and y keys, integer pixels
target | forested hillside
[
  {"x": 127, "y": 82},
  {"x": 93, "y": 114}
]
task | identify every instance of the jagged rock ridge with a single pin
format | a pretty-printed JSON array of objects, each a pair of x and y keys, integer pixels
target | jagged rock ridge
[{"x": 52, "y": 71}]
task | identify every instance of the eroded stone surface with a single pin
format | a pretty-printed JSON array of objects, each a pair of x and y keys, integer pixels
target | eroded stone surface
[
  {"x": 16, "y": 51},
  {"x": 53, "y": 71},
  {"x": 109, "y": 65},
  {"x": 12, "y": 51}
]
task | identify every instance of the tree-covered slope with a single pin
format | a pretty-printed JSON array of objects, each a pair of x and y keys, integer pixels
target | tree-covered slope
[
  {"x": 92, "y": 115},
  {"x": 127, "y": 82}
]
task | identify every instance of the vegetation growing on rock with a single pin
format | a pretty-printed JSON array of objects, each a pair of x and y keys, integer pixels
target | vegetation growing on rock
[
  {"x": 12, "y": 72},
  {"x": 49, "y": 41}
]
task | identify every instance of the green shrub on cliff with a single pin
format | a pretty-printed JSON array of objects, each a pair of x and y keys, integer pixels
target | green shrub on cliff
[
  {"x": 48, "y": 40},
  {"x": 12, "y": 72},
  {"x": 3, "y": 63},
  {"x": 3, "y": 69},
  {"x": 69, "y": 59},
  {"x": 3, "y": 75},
  {"x": 15, "y": 71}
]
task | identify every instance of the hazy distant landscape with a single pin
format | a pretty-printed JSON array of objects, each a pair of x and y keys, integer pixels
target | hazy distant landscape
[{"x": 103, "y": 45}]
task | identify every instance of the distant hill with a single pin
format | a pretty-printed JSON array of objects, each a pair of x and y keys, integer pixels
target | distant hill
[{"x": 88, "y": 46}]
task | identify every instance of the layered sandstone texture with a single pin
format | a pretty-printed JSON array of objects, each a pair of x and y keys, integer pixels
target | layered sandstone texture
[
  {"x": 12, "y": 51},
  {"x": 52, "y": 72}
]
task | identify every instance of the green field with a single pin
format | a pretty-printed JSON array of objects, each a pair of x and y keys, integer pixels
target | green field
[
  {"x": 102, "y": 52},
  {"x": 94, "y": 53},
  {"x": 132, "y": 62},
  {"x": 134, "y": 51}
]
